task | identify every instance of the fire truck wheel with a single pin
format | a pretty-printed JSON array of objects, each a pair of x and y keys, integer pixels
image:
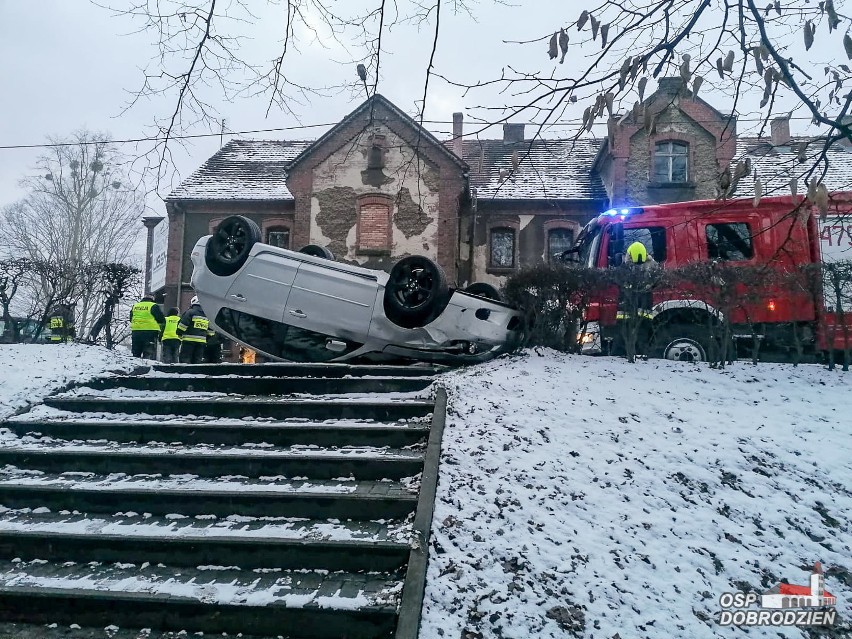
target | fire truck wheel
[{"x": 681, "y": 342}]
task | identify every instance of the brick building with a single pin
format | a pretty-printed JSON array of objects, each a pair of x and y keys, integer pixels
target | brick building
[{"x": 378, "y": 186}]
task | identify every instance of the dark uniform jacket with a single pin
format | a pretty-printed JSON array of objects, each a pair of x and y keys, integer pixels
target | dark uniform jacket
[{"x": 193, "y": 325}]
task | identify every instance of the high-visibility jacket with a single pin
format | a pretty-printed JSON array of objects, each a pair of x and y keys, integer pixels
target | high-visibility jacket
[
  {"x": 170, "y": 331},
  {"x": 146, "y": 316},
  {"x": 58, "y": 330},
  {"x": 193, "y": 325}
]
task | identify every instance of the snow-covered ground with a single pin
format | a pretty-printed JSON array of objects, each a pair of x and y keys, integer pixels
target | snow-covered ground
[
  {"x": 588, "y": 497},
  {"x": 30, "y": 372},
  {"x": 593, "y": 498}
]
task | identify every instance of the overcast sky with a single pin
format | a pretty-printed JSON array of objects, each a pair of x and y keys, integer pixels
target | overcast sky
[{"x": 69, "y": 64}]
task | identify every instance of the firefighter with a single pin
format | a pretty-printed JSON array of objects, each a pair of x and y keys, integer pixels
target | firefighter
[
  {"x": 61, "y": 323},
  {"x": 146, "y": 325},
  {"x": 635, "y": 299},
  {"x": 192, "y": 329},
  {"x": 213, "y": 350},
  {"x": 637, "y": 254},
  {"x": 170, "y": 339}
]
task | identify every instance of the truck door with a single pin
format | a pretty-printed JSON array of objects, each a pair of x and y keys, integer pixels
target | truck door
[{"x": 263, "y": 285}]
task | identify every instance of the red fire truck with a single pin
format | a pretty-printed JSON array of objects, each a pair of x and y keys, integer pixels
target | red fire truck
[{"x": 780, "y": 232}]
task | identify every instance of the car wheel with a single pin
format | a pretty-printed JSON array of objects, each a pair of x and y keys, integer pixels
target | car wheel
[
  {"x": 481, "y": 289},
  {"x": 315, "y": 250},
  {"x": 230, "y": 245},
  {"x": 416, "y": 292},
  {"x": 681, "y": 342}
]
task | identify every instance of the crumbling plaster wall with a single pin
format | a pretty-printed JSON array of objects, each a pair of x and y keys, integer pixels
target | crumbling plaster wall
[{"x": 413, "y": 185}]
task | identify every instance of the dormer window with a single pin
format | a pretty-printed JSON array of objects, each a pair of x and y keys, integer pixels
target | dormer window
[{"x": 671, "y": 160}]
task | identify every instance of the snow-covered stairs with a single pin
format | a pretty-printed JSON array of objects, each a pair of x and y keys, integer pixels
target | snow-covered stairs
[{"x": 272, "y": 500}]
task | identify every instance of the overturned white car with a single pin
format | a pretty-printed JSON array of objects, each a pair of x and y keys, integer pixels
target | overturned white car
[{"x": 305, "y": 307}]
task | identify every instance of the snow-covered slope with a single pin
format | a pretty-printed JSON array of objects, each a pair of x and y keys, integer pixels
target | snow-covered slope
[
  {"x": 587, "y": 497},
  {"x": 29, "y": 372}
]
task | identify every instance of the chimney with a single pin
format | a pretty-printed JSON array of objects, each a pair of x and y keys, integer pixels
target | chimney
[
  {"x": 513, "y": 132},
  {"x": 458, "y": 133},
  {"x": 780, "y": 131},
  {"x": 670, "y": 86}
]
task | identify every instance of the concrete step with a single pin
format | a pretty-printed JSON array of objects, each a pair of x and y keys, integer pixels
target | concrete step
[
  {"x": 297, "y": 603},
  {"x": 235, "y": 432},
  {"x": 315, "y": 499},
  {"x": 301, "y": 370},
  {"x": 241, "y": 526},
  {"x": 206, "y": 462},
  {"x": 265, "y": 385},
  {"x": 21, "y": 630},
  {"x": 246, "y": 407},
  {"x": 246, "y": 552}
]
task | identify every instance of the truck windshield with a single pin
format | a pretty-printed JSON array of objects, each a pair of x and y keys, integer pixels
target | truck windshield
[{"x": 585, "y": 251}]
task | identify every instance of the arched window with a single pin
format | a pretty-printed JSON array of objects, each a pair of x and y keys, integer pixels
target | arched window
[
  {"x": 671, "y": 160},
  {"x": 278, "y": 236},
  {"x": 502, "y": 249},
  {"x": 559, "y": 240}
]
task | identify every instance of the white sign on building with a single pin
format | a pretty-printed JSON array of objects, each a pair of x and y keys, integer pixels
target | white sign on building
[{"x": 159, "y": 248}]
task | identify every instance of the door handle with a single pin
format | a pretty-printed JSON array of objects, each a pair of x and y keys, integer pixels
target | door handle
[
  {"x": 238, "y": 296},
  {"x": 298, "y": 313}
]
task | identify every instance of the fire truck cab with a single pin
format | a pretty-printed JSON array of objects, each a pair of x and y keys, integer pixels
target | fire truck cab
[{"x": 734, "y": 231}]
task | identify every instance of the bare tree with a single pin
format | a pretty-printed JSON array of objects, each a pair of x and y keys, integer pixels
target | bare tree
[
  {"x": 81, "y": 210},
  {"x": 118, "y": 281},
  {"x": 838, "y": 296},
  {"x": 784, "y": 52},
  {"x": 13, "y": 274}
]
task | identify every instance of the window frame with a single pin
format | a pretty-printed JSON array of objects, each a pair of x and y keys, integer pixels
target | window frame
[
  {"x": 268, "y": 231},
  {"x": 558, "y": 225},
  {"x": 513, "y": 232},
  {"x": 670, "y": 155}
]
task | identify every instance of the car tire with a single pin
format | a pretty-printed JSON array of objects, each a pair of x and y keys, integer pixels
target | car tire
[
  {"x": 416, "y": 292},
  {"x": 681, "y": 342},
  {"x": 315, "y": 250},
  {"x": 230, "y": 245},
  {"x": 481, "y": 289}
]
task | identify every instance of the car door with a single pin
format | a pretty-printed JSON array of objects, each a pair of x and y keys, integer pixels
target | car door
[
  {"x": 263, "y": 285},
  {"x": 331, "y": 299}
]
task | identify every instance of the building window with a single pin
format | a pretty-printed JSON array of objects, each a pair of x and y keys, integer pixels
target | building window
[
  {"x": 731, "y": 242},
  {"x": 278, "y": 236},
  {"x": 376, "y": 153},
  {"x": 559, "y": 240},
  {"x": 670, "y": 162},
  {"x": 374, "y": 224},
  {"x": 502, "y": 248}
]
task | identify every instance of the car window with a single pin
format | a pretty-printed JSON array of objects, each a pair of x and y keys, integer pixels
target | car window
[
  {"x": 279, "y": 339},
  {"x": 730, "y": 241},
  {"x": 653, "y": 238}
]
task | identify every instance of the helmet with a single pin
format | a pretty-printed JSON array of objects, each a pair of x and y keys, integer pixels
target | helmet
[
  {"x": 637, "y": 253},
  {"x": 194, "y": 300}
]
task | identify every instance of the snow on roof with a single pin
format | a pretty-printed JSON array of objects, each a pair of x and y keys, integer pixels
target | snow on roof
[
  {"x": 243, "y": 170},
  {"x": 777, "y": 165},
  {"x": 547, "y": 169}
]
